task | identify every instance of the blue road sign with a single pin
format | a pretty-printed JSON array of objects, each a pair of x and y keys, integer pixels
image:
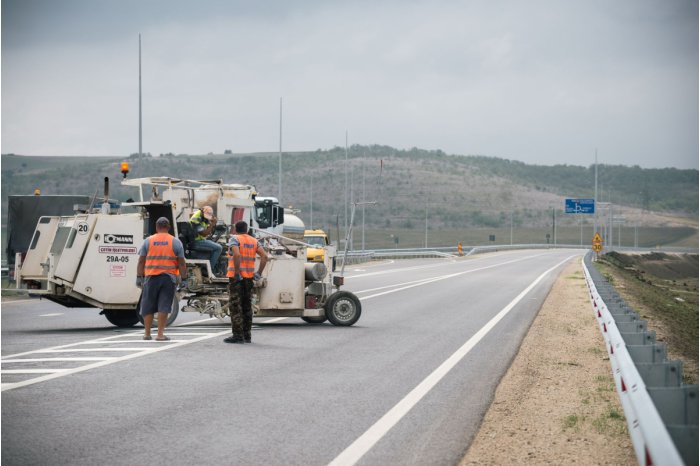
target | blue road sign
[{"x": 579, "y": 206}]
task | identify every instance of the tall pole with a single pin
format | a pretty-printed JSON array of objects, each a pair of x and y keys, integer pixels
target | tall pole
[
  {"x": 311, "y": 207},
  {"x": 140, "y": 122},
  {"x": 352, "y": 199},
  {"x": 426, "y": 225},
  {"x": 346, "y": 182},
  {"x": 279, "y": 181},
  {"x": 595, "y": 195},
  {"x": 363, "y": 204},
  {"x": 511, "y": 227}
]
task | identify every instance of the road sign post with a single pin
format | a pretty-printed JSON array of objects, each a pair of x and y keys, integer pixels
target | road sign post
[{"x": 597, "y": 243}]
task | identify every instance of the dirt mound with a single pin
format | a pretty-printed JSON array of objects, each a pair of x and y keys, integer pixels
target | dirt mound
[{"x": 662, "y": 265}]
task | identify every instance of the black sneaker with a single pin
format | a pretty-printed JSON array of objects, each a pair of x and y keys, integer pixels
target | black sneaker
[{"x": 233, "y": 339}]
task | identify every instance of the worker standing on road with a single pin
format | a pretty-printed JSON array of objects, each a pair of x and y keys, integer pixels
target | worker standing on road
[
  {"x": 160, "y": 268},
  {"x": 203, "y": 223},
  {"x": 241, "y": 272}
]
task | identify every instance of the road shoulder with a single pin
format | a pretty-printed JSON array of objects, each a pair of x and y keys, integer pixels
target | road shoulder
[{"x": 557, "y": 403}]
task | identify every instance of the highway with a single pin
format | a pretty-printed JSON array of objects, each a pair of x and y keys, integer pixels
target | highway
[{"x": 408, "y": 384}]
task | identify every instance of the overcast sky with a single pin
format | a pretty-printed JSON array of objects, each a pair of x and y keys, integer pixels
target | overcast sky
[{"x": 540, "y": 81}]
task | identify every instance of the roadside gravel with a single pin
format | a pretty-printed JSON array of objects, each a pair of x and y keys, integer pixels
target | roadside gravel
[{"x": 557, "y": 403}]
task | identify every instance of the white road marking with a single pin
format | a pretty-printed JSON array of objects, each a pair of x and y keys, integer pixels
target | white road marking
[
  {"x": 407, "y": 285},
  {"x": 130, "y": 337},
  {"x": 367, "y": 440},
  {"x": 52, "y": 315},
  {"x": 432, "y": 266},
  {"x": 85, "y": 358},
  {"x": 13, "y": 301},
  {"x": 136, "y": 353},
  {"x": 33, "y": 371}
]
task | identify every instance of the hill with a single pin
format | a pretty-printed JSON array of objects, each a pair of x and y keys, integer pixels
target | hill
[{"x": 411, "y": 187}]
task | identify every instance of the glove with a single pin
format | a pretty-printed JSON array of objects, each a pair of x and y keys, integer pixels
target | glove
[
  {"x": 257, "y": 276},
  {"x": 139, "y": 282},
  {"x": 237, "y": 277}
]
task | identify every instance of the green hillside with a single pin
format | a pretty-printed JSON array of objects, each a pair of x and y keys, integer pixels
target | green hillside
[{"x": 410, "y": 187}]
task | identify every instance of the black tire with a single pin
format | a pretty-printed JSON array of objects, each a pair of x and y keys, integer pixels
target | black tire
[
  {"x": 174, "y": 310},
  {"x": 343, "y": 308},
  {"x": 314, "y": 320},
  {"x": 122, "y": 317}
]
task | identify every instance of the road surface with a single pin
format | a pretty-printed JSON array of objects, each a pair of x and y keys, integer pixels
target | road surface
[{"x": 408, "y": 384}]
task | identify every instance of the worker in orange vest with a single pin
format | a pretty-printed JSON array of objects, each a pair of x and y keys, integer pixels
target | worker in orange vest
[
  {"x": 241, "y": 273},
  {"x": 159, "y": 270}
]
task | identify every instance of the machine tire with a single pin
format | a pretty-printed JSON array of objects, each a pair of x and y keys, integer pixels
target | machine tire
[
  {"x": 343, "y": 308},
  {"x": 174, "y": 310},
  {"x": 314, "y": 320},
  {"x": 122, "y": 318}
]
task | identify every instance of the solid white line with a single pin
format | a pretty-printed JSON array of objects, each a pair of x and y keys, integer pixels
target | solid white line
[
  {"x": 33, "y": 371},
  {"x": 87, "y": 358},
  {"x": 367, "y": 440},
  {"x": 52, "y": 315},
  {"x": 94, "y": 350}
]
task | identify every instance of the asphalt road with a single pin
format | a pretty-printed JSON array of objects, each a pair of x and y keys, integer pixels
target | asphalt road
[{"x": 408, "y": 384}]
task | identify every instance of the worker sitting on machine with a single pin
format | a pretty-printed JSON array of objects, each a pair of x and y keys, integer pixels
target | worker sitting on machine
[{"x": 203, "y": 223}]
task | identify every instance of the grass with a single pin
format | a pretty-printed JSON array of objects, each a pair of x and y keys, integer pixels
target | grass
[
  {"x": 571, "y": 421},
  {"x": 676, "y": 322},
  {"x": 611, "y": 422}
]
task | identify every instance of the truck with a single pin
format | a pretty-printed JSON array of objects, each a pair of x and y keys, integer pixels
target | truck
[
  {"x": 89, "y": 259},
  {"x": 23, "y": 212},
  {"x": 318, "y": 241}
]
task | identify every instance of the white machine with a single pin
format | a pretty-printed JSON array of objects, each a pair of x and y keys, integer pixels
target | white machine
[{"x": 89, "y": 259}]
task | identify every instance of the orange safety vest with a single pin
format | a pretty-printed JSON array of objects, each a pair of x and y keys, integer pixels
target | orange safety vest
[
  {"x": 161, "y": 258},
  {"x": 248, "y": 246}
]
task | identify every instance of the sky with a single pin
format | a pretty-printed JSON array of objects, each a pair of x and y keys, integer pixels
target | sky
[{"x": 541, "y": 81}]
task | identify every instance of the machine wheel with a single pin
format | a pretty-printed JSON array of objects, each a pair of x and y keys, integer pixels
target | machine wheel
[
  {"x": 343, "y": 308},
  {"x": 174, "y": 310},
  {"x": 122, "y": 318},
  {"x": 314, "y": 320}
]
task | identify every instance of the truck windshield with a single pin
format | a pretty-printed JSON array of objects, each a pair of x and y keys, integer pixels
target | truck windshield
[{"x": 315, "y": 241}]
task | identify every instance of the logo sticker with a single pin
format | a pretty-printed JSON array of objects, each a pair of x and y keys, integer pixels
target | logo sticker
[{"x": 119, "y": 239}]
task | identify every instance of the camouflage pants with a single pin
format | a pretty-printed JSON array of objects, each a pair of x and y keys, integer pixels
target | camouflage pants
[{"x": 239, "y": 306}]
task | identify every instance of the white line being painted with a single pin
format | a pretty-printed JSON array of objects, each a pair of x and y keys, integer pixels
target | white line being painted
[{"x": 367, "y": 440}]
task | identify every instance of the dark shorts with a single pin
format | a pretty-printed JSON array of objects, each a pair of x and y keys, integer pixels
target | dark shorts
[{"x": 158, "y": 294}]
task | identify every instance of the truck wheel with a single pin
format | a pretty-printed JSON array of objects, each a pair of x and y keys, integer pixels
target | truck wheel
[
  {"x": 343, "y": 308},
  {"x": 174, "y": 310},
  {"x": 314, "y": 320},
  {"x": 122, "y": 318}
]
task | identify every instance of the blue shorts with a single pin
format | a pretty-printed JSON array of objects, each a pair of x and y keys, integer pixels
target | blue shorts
[{"x": 158, "y": 294}]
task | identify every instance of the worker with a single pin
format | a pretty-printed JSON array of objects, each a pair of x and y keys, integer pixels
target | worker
[
  {"x": 203, "y": 222},
  {"x": 159, "y": 270},
  {"x": 241, "y": 274}
]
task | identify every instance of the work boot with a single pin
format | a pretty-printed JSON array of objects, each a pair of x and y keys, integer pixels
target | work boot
[
  {"x": 247, "y": 339},
  {"x": 233, "y": 339}
]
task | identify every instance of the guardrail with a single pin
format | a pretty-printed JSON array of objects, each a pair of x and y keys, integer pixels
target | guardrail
[
  {"x": 357, "y": 256},
  {"x": 661, "y": 412}
]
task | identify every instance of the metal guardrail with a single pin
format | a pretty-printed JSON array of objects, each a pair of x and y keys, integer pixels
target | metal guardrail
[
  {"x": 357, "y": 256},
  {"x": 661, "y": 412}
]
